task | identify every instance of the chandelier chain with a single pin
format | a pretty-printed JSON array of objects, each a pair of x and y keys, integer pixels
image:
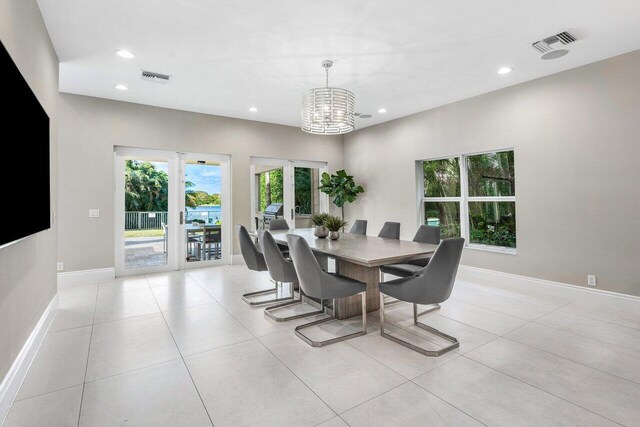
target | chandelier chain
[{"x": 326, "y": 71}]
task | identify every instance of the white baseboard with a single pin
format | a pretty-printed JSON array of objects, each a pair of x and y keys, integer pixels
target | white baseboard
[
  {"x": 86, "y": 276},
  {"x": 14, "y": 377},
  {"x": 561, "y": 290}
]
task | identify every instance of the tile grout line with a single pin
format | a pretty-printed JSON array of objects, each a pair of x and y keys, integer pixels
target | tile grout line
[
  {"x": 585, "y": 336},
  {"x": 299, "y": 379},
  {"x": 86, "y": 368},
  {"x": 535, "y": 321},
  {"x": 276, "y": 357},
  {"x": 496, "y": 311},
  {"x": 480, "y": 287},
  {"x": 449, "y": 403},
  {"x": 567, "y": 359},
  {"x": 542, "y": 390},
  {"x": 524, "y": 382},
  {"x": 610, "y": 322},
  {"x": 183, "y": 361},
  {"x": 391, "y": 369}
]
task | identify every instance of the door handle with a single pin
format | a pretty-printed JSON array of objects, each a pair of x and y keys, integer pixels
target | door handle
[{"x": 181, "y": 217}]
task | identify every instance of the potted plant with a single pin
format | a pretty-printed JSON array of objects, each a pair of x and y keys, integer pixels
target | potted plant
[
  {"x": 334, "y": 224},
  {"x": 341, "y": 187},
  {"x": 318, "y": 220}
]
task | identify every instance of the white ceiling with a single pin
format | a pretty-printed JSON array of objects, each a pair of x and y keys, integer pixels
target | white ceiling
[{"x": 404, "y": 55}]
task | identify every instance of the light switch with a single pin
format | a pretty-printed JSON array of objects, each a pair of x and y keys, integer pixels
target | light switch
[{"x": 94, "y": 213}]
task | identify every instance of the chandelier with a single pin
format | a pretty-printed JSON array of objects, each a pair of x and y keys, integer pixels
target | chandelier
[{"x": 328, "y": 110}]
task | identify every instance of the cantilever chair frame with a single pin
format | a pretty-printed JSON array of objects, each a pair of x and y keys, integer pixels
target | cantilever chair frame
[
  {"x": 245, "y": 297},
  {"x": 269, "y": 310},
  {"x": 274, "y": 290},
  {"x": 431, "y": 353},
  {"x": 363, "y": 296},
  {"x": 281, "y": 269}
]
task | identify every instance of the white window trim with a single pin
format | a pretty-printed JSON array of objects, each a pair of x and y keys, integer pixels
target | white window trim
[{"x": 463, "y": 200}]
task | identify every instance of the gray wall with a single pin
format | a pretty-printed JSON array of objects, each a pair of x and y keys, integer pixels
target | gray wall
[
  {"x": 27, "y": 268},
  {"x": 577, "y": 145},
  {"x": 91, "y": 127}
]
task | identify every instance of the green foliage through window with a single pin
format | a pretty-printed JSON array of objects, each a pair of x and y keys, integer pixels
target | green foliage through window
[
  {"x": 442, "y": 177},
  {"x": 303, "y": 191},
  {"x": 145, "y": 188},
  {"x": 491, "y": 174},
  {"x": 489, "y": 222},
  {"x": 271, "y": 188},
  {"x": 493, "y": 223}
]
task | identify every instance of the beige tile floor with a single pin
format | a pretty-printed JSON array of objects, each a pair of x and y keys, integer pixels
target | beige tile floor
[{"x": 182, "y": 349}]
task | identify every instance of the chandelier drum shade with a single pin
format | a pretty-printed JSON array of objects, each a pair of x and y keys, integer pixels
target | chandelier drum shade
[{"x": 328, "y": 110}]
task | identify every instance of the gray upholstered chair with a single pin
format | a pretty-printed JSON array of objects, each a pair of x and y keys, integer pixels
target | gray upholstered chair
[
  {"x": 281, "y": 270},
  {"x": 390, "y": 230},
  {"x": 255, "y": 261},
  {"x": 359, "y": 227},
  {"x": 316, "y": 283},
  {"x": 425, "y": 234},
  {"x": 430, "y": 285},
  {"x": 278, "y": 224}
]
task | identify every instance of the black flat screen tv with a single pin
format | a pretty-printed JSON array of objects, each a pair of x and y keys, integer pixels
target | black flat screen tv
[{"x": 25, "y": 185}]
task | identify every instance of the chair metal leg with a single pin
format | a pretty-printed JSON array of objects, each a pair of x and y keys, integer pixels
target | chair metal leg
[
  {"x": 246, "y": 297},
  {"x": 390, "y": 300},
  {"x": 313, "y": 343},
  {"x": 269, "y": 310},
  {"x": 431, "y": 353}
]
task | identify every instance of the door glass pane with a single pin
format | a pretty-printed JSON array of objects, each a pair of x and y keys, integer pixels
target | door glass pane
[
  {"x": 446, "y": 215},
  {"x": 491, "y": 174},
  {"x": 269, "y": 184},
  {"x": 442, "y": 177},
  {"x": 203, "y": 210},
  {"x": 493, "y": 223},
  {"x": 146, "y": 214},
  {"x": 307, "y": 195}
]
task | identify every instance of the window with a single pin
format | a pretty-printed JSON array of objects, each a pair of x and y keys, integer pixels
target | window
[
  {"x": 302, "y": 191},
  {"x": 472, "y": 196},
  {"x": 270, "y": 188}
]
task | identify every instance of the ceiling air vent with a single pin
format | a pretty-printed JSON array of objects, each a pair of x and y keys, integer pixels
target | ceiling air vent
[
  {"x": 155, "y": 77},
  {"x": 551, "y": 47}
]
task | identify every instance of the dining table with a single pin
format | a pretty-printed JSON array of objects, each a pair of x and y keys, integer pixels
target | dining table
[
  {"x": 359, "y": 257},
  {"x": 193, "y": 229}
]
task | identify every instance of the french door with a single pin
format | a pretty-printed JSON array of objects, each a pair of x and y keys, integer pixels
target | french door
[
  {"x": 172, "y": 210},
  {"x": 292, "y": 183},
  {"x": 204, "y": 210}
]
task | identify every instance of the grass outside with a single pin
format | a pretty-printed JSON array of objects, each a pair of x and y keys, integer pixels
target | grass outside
[{"x": 143, "y": 233}]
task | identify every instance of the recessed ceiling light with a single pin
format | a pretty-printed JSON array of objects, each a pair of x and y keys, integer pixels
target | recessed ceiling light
[
  {"x": 505, "y": 70},
  {"x": 382, "y": 111},
  {"x": 253, "y": 109},
  {"x": 125, "y": 54},
  {"x": 121, "y": 87}
]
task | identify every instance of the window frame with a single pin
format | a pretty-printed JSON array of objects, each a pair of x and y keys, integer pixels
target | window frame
[{"x": 464, "y": 198}]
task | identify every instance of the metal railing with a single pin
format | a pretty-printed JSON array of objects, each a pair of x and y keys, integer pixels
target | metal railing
[
  {"x": 154, "y": 220},
  {"x": 209, "y": 217},
  {"x": 144, "y": 220}
]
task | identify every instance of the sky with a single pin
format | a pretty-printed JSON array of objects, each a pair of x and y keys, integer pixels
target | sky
[{"x": 205, "y": 177}]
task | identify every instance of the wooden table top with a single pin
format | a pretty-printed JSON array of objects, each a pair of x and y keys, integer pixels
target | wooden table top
[{"x": 369, "y": 251}]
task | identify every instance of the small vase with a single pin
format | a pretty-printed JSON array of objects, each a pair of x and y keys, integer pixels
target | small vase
[
  {"x": 321, "y": 232},
  {"x": 334, "y": 235}
]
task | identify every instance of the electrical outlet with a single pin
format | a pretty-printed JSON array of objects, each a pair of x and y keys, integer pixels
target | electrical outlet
[
  {"x": 591, "y": 280},
  {"x": 61, "y": 266},
  {"x": 94, "y": 213}
]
